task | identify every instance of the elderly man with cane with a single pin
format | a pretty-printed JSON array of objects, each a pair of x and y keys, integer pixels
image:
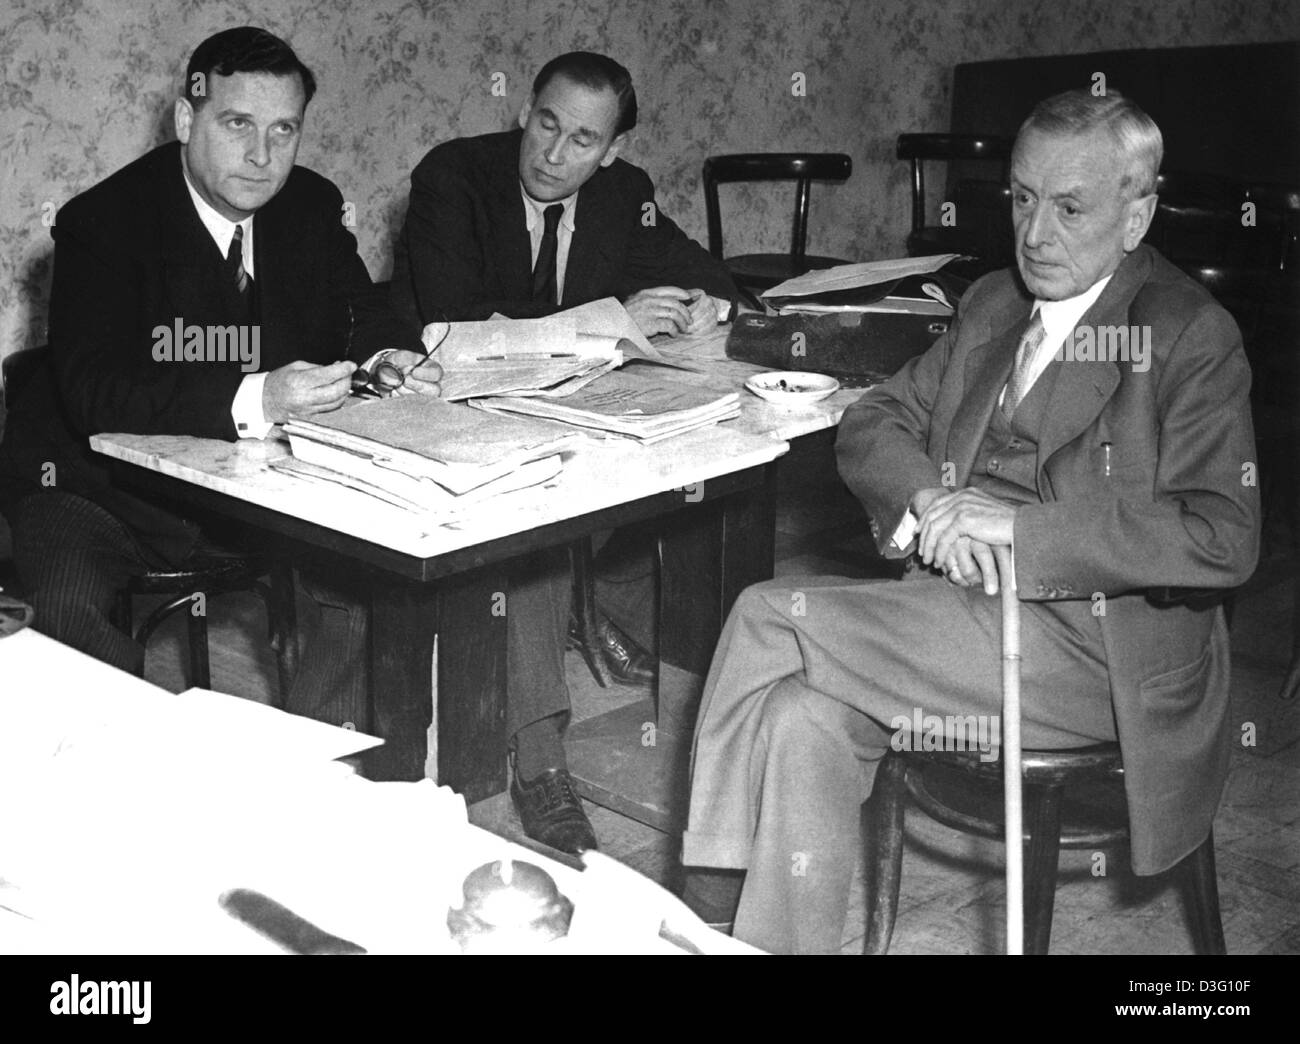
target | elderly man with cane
[{"x": 1115, "y": 483}]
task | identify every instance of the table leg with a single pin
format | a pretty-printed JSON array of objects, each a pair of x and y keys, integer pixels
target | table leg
[
  {"x": 471, "y": 731},
  {"x": 709, "y": 553},
  {"x": 404, "y": 620}
]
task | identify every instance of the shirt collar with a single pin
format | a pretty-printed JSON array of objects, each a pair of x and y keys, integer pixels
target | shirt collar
[
  {"x": 1060, "y": 317},
  {"x": 220, "y": 227},
  {"x": 534, "y": 210}
]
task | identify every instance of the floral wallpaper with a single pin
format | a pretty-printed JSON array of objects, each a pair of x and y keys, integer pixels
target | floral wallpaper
[{"x": 89, "y": 84}]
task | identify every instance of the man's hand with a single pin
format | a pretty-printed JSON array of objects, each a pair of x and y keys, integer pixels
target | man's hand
[
  {"x": 664, "y": 309},
  {"x": 703, "y": 312},
  {"x": 302, "y": 388},
  {"x": 420, "y": 374},
  {"x": 966, "y": 513},
  {"x": 971, "y": 563}
]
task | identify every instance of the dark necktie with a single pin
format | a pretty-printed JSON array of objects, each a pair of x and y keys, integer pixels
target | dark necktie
[
  {"x": 544, "y": 282},
  {"x": 235, "y": 263}
]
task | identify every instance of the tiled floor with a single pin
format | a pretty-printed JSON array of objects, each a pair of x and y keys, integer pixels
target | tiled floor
[{"x": 952, "y": 893}]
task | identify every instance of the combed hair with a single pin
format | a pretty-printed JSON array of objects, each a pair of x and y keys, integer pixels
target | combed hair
[
  {"x": 246, "y": 49},
  {"x": 1136, "y": 134},
  {"x": 596, "y": 72}
]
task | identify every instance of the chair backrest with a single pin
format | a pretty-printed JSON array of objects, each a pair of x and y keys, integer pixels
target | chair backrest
[
  {"x": 1207, "y": 220},
  {"x": 803, "y": 168},
  {"x": 948, "y": 147},
  {"x": 16, "y": 372}
]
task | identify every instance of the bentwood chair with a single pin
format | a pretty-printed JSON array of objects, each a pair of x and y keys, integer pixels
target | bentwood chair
[
  {"x": 1056, "y": 799},
  {"x": 1072, "y": 799},
  {"x": 761, "y": 271},
  {"x": 976, "y": 220},
  {"x": 207, "y": 572}
]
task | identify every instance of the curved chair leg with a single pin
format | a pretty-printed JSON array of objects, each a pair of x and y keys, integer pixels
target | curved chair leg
[
  {"x": 200, "y": 667},
  {"x": 1201, "y": 888},
  {"x": 883, "y": 815},
  {"x": 160, "y": 614},
  {"x": 1043, "y": 824}
]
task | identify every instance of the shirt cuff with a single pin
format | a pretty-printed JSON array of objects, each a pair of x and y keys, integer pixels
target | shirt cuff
[
  {"x": 723, "y": 306},
  {"x": 906, "y": 531},
  {"x": 246, "y": 410}
]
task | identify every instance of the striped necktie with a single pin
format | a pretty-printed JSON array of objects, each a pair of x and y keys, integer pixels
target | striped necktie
[
  {"x": 235, "y": 262},
  {"x": 1020, "y": 383}
]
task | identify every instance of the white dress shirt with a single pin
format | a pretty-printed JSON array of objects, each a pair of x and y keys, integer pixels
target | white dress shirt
[{"x": 246, "y": 408}]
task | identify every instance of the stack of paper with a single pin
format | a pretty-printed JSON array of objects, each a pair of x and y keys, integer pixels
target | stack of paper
[
  {"x": 421, "y": 452},
  {"x": 643, "y": 407}
]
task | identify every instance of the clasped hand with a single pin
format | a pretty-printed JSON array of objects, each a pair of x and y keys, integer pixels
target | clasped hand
[
  {"x": 672, "y": 310},
  {"x": 958, "y": 531}
]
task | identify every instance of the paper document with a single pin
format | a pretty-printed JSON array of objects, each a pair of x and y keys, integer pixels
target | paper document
[{"x": 852, "y": 277}]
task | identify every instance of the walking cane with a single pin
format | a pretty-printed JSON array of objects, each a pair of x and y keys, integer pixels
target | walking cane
[{"x": 1011, "y": 781}]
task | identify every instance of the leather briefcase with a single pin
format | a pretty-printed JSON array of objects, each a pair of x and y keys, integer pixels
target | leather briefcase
[{"x": 857, "y": 348}]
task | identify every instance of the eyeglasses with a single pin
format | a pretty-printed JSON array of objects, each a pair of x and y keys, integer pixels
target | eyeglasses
[
  {"x": 14, "y": 615},
  {"x": 387, "y": 378}
]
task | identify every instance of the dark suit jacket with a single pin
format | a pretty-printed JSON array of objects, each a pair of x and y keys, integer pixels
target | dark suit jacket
[
  {"x": 1175, "y": 511},
  {"x": 131, "y": 254},
  {"x": 464, "y": 249}
]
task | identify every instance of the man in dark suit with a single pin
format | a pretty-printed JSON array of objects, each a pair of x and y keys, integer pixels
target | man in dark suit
[
  {"x": 525, "y": 223},
  {"x": 1114, "y": 474},
  {"x": 210, "y": 289}
]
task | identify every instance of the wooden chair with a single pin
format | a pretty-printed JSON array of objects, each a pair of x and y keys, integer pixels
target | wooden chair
[
  {"x": 766, "y": 270},
  {"x": 1072, "y": 799},
  {"x": 207, "y": 572},
  {"x": 982, "y": 226}
]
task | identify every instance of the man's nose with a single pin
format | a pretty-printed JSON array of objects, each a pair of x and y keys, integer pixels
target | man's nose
[
  {"x": 259, "y": 152},
  {"x": 555, "y": 152},
  {"x": 1038, "y": 226}
]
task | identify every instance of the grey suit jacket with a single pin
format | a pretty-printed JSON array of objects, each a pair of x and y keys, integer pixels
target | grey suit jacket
[{"x": 1179, "y": 508}]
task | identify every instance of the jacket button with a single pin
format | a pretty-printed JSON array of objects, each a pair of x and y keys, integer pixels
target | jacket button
[{"x": 993, "y": 464}]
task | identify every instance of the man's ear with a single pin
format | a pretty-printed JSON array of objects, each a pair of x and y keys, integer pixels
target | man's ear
[
  {"x": 1138, "y": 220},
  {"x": 611, "y": 153},
  {"x": 526, "y": 111},
  {"x": 183, "y": 116}
]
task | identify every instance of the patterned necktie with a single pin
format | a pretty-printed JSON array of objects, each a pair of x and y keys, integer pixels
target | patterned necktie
[
  {"x": 544, "y": 282},
  {"x": 1020, "y": 383},
  {"x": 235, "y": 262}
]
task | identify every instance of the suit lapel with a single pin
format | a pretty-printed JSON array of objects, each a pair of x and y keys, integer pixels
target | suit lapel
[
  {"x": 505, "y": 210},
  {"x": 987, "y": 368},
  {"x": 586, "y": 251},
  {"x": 192, "y": 262},
  {"x": 1082, "y": 388}
]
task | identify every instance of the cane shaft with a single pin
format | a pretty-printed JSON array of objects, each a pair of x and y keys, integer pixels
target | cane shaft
[{"x": 1011, "y": 763}]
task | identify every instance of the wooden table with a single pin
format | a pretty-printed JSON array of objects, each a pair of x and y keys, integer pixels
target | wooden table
[{"x": 425, "y": 577}]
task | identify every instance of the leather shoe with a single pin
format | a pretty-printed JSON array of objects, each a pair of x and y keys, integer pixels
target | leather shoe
[
  {"x": 626, "y": 661},
  {"x": 551, "y": 810}
]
